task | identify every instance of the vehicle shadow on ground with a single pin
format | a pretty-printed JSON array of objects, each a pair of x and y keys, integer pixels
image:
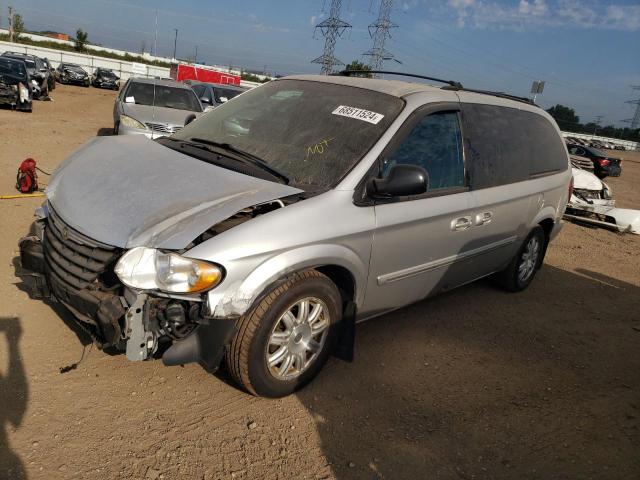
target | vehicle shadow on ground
[
  {"x": 24, "y": 285},
  {"x": 480, "y": 383},
  {"x": 104, "y": 132},
  {"x": 14, "y": 396}
]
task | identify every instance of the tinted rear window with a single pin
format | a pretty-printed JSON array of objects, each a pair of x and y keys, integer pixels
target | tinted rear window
[{"x": 506, "y": 145}]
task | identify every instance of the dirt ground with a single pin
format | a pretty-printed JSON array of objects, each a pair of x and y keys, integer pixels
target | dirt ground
[{"x": 476, "y": 383}]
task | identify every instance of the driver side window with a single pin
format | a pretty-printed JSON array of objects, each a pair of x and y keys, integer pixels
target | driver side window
[{"x": 435, "y": 144}]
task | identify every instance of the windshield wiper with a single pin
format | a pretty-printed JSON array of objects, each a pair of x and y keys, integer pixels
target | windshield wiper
[{"x": 249, "y": 157}]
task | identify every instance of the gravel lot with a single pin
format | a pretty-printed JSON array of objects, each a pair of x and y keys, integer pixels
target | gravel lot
[{"x": 476, "y": 383}]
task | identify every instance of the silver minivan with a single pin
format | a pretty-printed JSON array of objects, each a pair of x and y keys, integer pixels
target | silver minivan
[{"x": 262, "y": 232}]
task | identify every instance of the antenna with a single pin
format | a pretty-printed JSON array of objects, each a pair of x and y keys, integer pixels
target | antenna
[
  {"x": 331, "y": 28},
  {"x": 379, "y": 31},
  {"x": 635, "y": 121}
]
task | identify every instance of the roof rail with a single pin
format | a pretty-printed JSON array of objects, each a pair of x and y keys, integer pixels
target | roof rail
[
  {"x": 450, "y": 84},
  {"x": 453, "y": 83},
  {"x": 494, "y": 94}
]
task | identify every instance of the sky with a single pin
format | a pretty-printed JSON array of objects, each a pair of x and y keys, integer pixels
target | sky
[{"x": 587, "y": 51}]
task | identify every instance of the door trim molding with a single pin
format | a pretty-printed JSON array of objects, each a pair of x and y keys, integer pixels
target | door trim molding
[{"x": 442, "y": 262}]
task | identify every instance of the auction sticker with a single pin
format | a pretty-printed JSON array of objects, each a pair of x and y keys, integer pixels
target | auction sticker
[{"x": 358, "y": 113}]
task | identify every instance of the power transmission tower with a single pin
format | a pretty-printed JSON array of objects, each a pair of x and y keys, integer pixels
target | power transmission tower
[
  {"x": 331, "y": 28},
  {"x": 379, "y": 31},
  {"x": 635, "y": 122}
]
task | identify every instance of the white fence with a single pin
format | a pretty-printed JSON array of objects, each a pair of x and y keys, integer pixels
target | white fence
[
  {"x": 44, "y": 38},
  {"x": 627, "y": 144},
  {"x": 122, "y": 68}
]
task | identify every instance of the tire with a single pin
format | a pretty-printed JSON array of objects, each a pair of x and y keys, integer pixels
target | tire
[
  {"x": 510, "y": 278},
  {"x": 247, "y": 354}
]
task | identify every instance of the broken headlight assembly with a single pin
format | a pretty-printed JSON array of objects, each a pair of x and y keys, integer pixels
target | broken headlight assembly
[
  {"x": 131, "y": 122},
  {"x": 145, "y": 268}
]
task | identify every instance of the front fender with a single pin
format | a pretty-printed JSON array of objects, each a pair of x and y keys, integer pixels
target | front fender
[{"x": 236, "y": 299}]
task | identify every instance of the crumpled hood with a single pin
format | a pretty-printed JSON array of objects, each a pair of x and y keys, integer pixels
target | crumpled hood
[
  {"x": 585, "y": 180},
  {"x": 148, "y": 114},
  {"x": 128, "y": 191},
  {"x": 78, "y": 70}
]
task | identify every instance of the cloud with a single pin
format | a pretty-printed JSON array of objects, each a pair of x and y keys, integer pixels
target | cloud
[
  {"x": 531, "y": 14},
  {"x": 312, "y": 20},
  {"x": 461, "y": 7}
]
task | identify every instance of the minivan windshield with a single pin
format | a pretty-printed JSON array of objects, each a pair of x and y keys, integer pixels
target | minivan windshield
[
  {"x": 163, "y": 96},
  {"x": 314, "y": 132}
]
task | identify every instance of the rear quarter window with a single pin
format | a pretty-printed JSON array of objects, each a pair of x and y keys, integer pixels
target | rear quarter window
[{"x": 506, "y": 145}]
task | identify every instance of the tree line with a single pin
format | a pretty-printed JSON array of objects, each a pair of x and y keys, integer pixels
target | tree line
[{"x": 568, "y": 121}]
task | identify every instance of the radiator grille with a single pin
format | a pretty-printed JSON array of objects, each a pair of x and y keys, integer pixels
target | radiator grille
[
  {"x": 72, "y": 258},
  {"x": 163, "y": 128}
]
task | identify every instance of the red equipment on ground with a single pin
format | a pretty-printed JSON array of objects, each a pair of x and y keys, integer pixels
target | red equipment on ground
[{"x": 27, "y": 178}]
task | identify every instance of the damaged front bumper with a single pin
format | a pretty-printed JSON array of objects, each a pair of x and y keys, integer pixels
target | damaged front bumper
[
  {"x": 61, "y": 265},
  {"x": 603, "y": 213}
]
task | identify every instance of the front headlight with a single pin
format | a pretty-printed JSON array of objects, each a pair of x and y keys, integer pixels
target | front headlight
[
  {"x": 131, "y": 122},
  {"x": 150, "y": 269}
]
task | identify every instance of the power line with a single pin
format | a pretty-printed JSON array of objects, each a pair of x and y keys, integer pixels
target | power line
[
  {"x": 635, "y": 122},
  {"x": 379, "y": 31},
  {"x": 331, "y": 28}
]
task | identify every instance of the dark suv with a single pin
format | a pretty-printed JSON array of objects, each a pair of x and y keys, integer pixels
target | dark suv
[
  {"x": 603, "y": 165},
  {"x": 13, "y": 84},
  {"x": 105, "y": 78},
  {"x": 37, "y": 71},
  {"x": 72, "y": 73}
]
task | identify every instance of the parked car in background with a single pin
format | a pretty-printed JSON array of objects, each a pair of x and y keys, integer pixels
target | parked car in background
[
  {"x": 14, "y": 79},
  {"x": 37, "y": 71},
  {"x": 51, "y": 80},
  {"x": 105, "y": 78},
  {"x": 154, "y": 108},
  {"x": 71, "y": 73},
  {"x": 583, "y": 163},
  {"x": 603, "y": 164},
  {"x": 212, "y": 95},
  {"x": 262, "y": 231}
]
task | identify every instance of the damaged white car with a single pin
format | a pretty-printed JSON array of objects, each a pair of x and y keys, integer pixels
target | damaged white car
[{"x": 591, "y": 202}]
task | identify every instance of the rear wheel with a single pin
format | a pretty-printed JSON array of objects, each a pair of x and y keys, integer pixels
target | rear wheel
[
  {"x": 520, "y": 272},
  {"x": 284, "y": 341}
]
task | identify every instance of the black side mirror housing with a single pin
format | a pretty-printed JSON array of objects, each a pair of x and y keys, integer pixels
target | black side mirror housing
[
  {"x": 402, "y": 181},
  {"x": 205, "y": 100},
  {"x": 190, "y": 118}
]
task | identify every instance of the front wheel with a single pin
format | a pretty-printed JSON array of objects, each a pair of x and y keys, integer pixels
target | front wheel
[
  {"x": 520, "y": 272},
  {"x": 283, "y": 342}
]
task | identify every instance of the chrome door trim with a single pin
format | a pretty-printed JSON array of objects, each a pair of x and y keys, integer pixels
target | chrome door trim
[{"x": 442, "y": 262}]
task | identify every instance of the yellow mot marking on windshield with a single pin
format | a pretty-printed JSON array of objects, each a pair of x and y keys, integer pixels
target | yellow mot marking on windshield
[{"x": 318, "y": 148}]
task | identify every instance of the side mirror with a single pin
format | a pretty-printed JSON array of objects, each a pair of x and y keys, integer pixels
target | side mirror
[
  {"x": 205, "y": 100},
  {"x": 190, "y": 118},
  {"x": 403, "y": 180}
]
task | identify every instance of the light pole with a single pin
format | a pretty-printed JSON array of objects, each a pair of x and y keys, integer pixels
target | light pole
[
  {"x": 597, "y": 123},
  {"x": 195, "y": 60},
  {"x": 175, "y": 43}
]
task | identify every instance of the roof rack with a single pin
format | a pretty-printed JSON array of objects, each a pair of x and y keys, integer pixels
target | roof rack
[
  {"x": 494, "y": 94},
  {"x": 452, "y": 83}
]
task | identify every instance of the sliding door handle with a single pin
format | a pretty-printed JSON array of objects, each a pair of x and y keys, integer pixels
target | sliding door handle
[{"x": 461, "y": 223}]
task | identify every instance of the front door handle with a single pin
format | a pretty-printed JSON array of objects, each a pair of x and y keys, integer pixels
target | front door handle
[
  {"x": 461, "y": 223},
  {"x": 483, "y": 218}
]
